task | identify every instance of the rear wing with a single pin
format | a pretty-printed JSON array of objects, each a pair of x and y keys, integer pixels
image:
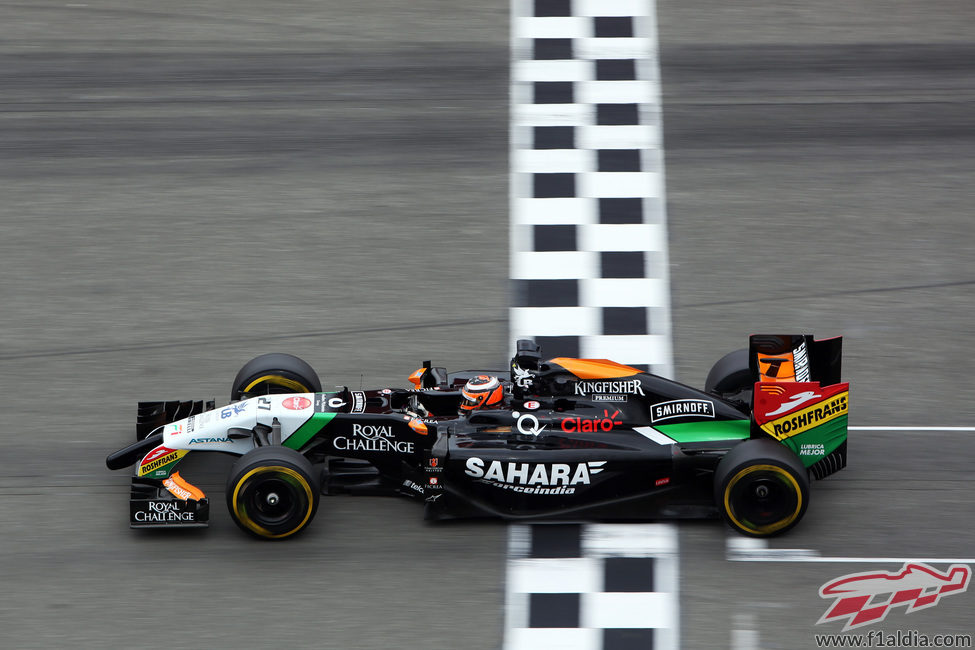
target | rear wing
[
  {"x": 795, "y": 357},
  {"x": 798, "y": 398}
]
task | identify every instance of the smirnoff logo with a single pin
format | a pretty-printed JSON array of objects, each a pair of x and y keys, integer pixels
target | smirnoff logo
[
  {"x": 681, "y": 408},
  {"x": 534, "y": 478}
]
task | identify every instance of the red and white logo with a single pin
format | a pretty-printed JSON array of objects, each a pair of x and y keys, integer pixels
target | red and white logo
[
  {"x": 156, "y": 453},
  {"x": 296, "y": 403},
  {"x": 866, "y": 598},
  {"x": 532, "y": 405}
]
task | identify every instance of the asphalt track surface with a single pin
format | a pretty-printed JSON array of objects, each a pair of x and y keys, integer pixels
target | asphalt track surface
[{"x": 183, "y": 187}]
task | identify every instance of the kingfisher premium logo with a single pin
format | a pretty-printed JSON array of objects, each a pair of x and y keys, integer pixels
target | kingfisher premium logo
[{"x": 604, "y": 390}]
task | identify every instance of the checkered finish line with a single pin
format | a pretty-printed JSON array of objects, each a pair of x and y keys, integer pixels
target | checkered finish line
[
  {"x": 588, "y": 227},
  {"x": 592, "y": 587}
]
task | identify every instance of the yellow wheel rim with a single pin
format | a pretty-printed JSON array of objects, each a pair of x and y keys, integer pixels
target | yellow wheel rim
[
  {"x": 242, "y": 516},
  {"x": 776, "y": 525},
  {"x": 278, "y": 380}
]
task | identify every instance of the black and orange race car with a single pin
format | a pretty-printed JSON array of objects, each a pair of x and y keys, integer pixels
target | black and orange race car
[{"x": 564, "y": 439}]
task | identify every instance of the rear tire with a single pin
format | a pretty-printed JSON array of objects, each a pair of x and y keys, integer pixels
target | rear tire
[
  {"x": 761, "y": 488},
  {"x": 275, "y": 373},
  {"x": 272, "y": 492},
  {"x": 730, "y": 374}
]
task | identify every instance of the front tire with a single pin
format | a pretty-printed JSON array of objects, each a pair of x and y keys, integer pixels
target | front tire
[
  {"x": 761, "y": 488},
  {"x": 275, "y": 373},
  {"x": 272, "y": 492}
]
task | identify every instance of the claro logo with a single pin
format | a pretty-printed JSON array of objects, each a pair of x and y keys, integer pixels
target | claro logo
[
  {"x": 589, "y": 425},
  {"x": 534, "y": 478}
]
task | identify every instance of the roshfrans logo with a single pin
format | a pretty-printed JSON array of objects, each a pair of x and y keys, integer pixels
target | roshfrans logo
[
  {"x": 159, "y": 458},
  {"x": 603, "y": 388},
  {"x": 809, "y": 417},
  {"x": 534, "y": 478},
  {"x": 866, "y": 598},
  {"x": 682, "y": 408}
]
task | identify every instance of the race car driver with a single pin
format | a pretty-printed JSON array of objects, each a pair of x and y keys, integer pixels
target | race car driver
[{"x": 481, "y": 392}]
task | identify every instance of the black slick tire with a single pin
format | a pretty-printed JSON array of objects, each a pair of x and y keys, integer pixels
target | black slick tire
[
  {"x": 272, "y": 492},
  {"x": 730, "y": 374},
  {"x": 274, "y": 373},
  {"x": 761, "y": 488}
]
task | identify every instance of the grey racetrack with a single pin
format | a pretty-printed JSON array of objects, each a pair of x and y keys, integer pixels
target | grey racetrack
[{"x": 185, "y": 185}]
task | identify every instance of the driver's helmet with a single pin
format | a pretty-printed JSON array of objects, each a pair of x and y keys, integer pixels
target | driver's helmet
[{"x": 483, "y": 391}]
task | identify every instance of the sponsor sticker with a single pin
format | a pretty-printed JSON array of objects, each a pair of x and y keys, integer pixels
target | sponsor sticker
[
  {"x": 372, "y": 437},
  {"x": 358, "y": 401},
  {"x": 534, "y": 478},
  {"x": 682, "y": 408},
  {"x": 794, "y": 401},
  {"x": 590, "y": 425},
  {"x": 608, "y": 387},
  {"x": 523, "y": 378},
  {"x": 162, "y": 512},
  {"x": 801, "y": 362},
  {"x": 416, "y": 487},
  {"x": 296, "y": 403},
  {"x": 601, "y": 397},
  {"x": 179, "y": 488},
  {"x": 157, "y": 460},
  {"x": 232, "y": 410},
  {"x": 807, "y": 418},
  {"x": 532, "y": 405},
  {"x": 812, "y": 450},
  {"x": 528, "y": 424}
]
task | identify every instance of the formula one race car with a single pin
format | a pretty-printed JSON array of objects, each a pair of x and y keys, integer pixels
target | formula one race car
[{"x": 557, "y": 439}]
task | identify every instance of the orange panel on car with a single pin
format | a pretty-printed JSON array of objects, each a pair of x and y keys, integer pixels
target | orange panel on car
[{"x": 595, "y": 368}]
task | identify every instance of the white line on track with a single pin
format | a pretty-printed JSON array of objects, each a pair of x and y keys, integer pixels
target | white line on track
[
  {"x": 746, "y": 549},
  {"x": 744, "y": 636}
]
